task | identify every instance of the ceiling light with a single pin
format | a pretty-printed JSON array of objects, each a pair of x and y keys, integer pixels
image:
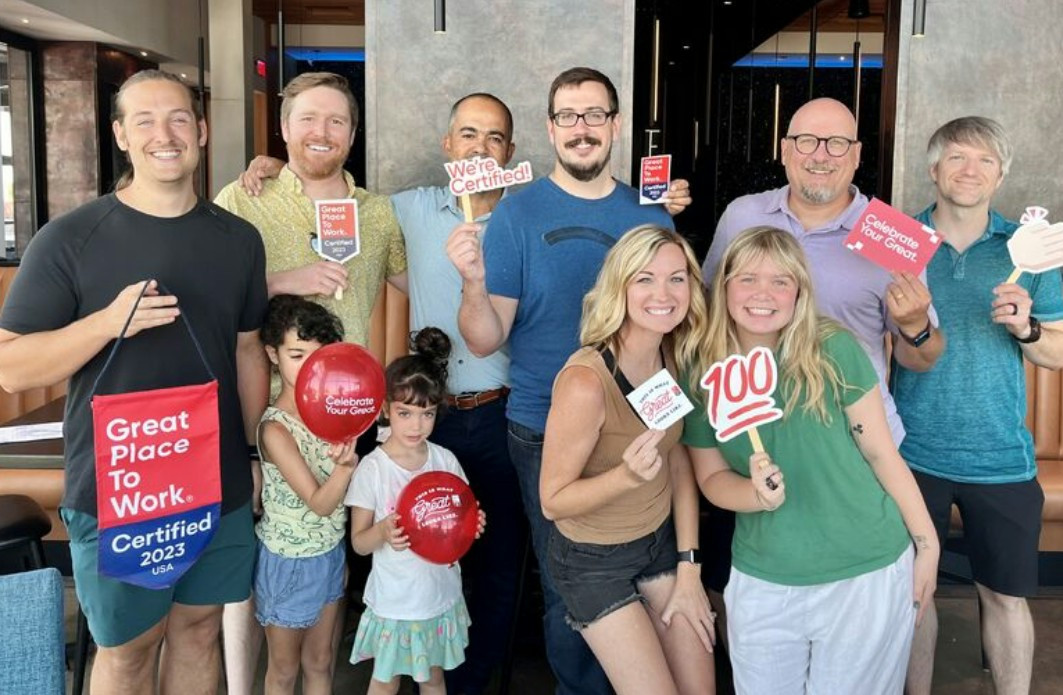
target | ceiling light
[
  {"x": 25, "y": 21},
  {"x": 144, "y": 54}
]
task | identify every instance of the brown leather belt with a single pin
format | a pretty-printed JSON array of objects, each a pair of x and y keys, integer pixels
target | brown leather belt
[{"x": 468, "y": 401}]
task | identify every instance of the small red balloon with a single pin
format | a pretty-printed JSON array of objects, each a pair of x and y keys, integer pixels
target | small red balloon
[
  {"x": 440, "y": 515},
  {"x": 339, "y": 391}
]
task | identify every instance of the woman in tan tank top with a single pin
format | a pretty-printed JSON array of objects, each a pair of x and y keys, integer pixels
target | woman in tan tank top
[{"x": 623, "y": 552}]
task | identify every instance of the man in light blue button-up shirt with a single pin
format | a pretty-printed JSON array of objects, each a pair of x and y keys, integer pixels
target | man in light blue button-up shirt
[{"x": 474, "y": 427}]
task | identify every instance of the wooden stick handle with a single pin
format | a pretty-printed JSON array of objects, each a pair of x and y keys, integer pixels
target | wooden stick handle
[
  {"x": 466, "y": 207},
  {"x": 754, "y": 438},
  {"x": 1014, "y": 275}
]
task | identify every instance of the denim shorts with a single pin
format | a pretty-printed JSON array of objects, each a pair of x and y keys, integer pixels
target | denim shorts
[
  {"x": 291, "y": 592},
  {"x": 595, "y": 580}
]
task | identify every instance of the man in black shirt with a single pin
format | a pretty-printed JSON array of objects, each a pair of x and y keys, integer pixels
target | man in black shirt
[{"x": 77, "y": 285}]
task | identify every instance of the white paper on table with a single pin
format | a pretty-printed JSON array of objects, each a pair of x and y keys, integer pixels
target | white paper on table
[
  {"x": 31, "y": 433},
  {"x": 659, "y": 401}
]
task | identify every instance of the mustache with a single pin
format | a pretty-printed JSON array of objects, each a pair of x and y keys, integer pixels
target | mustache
[{"x": 588, "y": 139}]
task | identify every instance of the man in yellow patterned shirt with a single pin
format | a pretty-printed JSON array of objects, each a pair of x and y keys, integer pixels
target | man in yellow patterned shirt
[{"x": 319, "y": 116}]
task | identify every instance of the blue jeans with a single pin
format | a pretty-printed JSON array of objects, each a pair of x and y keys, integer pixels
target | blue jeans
[
  {"x": 490, "y": 571},
  {"x": 574, "y": 665}
]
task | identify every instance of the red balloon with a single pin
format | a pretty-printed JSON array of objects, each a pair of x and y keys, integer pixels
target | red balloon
[
  {"x": 339, "y": 391},
  {"x": 440, "y": 515}
]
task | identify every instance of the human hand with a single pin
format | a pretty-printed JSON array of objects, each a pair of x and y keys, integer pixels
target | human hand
[
  {"x": 261, "y": 167},
  {"x": 323, "y": 277},
  {"x": 641, "y": 457},
  {"x": 925, "y": 574},
  {"x": 153, "y": 310},
  {"x": 1011, "y": 308},
  {"x": 908, "y": 303},
  {"x": 481, "y": 523},
  {"x": 343, "y": 454},
  {"x": 689, "y": 601},
  {"x": 760, "y": 470},
  {"x": 393, "y": 533},
  {"x": 466, "y": 253},
  {"x": 678, "y": 197}
]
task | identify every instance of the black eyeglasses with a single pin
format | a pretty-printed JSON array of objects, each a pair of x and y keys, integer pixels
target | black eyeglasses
[
  {"x": 568, "y": 119},
  {"x": 837, "y": 145}
]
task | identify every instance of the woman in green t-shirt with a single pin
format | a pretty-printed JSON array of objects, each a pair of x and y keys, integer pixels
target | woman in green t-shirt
[{"x": 824, "y": 590}]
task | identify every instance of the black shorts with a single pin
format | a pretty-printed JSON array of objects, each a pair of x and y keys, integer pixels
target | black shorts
[
  {"x": 1001, "y": 528},
  {"x": 595, "y": 580}
]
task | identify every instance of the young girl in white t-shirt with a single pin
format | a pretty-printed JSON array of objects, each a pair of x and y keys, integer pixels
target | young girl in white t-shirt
[{"x": 415, "y": 622}]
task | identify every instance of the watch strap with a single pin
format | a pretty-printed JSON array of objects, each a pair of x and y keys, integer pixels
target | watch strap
[
  {"x": 1035, "y": 332},
  {"x": 919, "y": 338},
  {"x": 692, "y": 556}
]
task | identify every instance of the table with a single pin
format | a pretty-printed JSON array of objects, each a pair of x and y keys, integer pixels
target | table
[{"x": 42, "y": 454}]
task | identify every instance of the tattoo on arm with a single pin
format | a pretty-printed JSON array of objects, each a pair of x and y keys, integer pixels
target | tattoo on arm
[
  {"x": 920, "y": 542},
  {"x": 858, "y": 428}
]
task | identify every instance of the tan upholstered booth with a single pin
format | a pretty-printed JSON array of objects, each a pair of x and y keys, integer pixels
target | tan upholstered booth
[{"x": 1045, "y": 420}]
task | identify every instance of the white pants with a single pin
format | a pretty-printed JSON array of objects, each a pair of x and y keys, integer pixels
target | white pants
[{"x": 846, "y": 637}]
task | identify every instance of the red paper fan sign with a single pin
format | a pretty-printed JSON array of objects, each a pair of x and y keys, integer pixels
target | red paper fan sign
[
  {"x": 740, "y": 394},
  {"x": 890, "y": 239},
  {"x": 440, "y": 515}
]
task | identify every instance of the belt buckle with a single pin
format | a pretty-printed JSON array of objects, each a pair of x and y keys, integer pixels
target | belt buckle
[{"x": 468, "y": 401}]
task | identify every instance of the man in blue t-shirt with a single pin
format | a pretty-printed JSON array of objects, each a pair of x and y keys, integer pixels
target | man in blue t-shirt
[
  {"x": 541, "y": 254},
  {"x": 966, "y": 441}
]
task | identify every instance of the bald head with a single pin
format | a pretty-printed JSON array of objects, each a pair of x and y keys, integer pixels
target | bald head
[
  {"x": 824, "y": 117},
  {"x": 820, "y": 178}
]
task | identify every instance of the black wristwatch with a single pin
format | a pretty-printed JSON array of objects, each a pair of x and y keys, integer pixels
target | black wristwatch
[
  {"x": 692, "y": 556},
  {"x": 1035, "y": 332},
  {"x": 919, "y": 338}
]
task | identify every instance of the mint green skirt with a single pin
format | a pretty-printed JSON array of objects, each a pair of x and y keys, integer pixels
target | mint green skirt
[{"x": 412, "y": 647}]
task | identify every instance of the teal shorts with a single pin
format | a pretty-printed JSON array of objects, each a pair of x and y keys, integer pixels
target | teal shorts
[{"x": 118, "y": 612}]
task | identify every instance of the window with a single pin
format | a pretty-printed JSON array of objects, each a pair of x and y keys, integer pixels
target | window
[{"x": 17, "y": 154}]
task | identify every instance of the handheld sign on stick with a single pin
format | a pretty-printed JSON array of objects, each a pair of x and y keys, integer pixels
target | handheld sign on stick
[
  {"x": 337, "y": 231},
  {"x": 1036, "y": 246},
  {"x": 740, "y": 396},
  {"x": 890, "y": 239},
  {"x": 479, "y": 174},
  {"x": 659, "y": 401},
  {"x": 655, "y": 175}
]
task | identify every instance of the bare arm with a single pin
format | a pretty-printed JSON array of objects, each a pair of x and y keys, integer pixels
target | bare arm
[
  {"x": 688, "y": 598},
  {"x": 48, "y": 357},
  {"x": 728, "y": 490},
  {"x": 577, "y": 413},
  {"x": 282, "y": 451},
  {"x": 1045, "y": 352},
  {"x": 401, "y": 282},
  {"x": 484, "y": 320},
  {"x": 261, "y": 167},
  {"x": 318, "y": 278},
  {"x": 867, "y": 419},
  {"x": 908, "y": 304},
  {"x": 252, "y": 380},
  {"x": 367, "y": 537}
]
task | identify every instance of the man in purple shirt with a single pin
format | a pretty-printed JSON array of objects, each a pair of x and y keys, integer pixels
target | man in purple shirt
[{"x": 819, "y": 206}]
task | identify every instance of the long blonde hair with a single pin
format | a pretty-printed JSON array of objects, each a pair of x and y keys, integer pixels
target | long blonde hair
[
  {"x": 803, "y": 367},
  {"x": 605, "y": 306}
]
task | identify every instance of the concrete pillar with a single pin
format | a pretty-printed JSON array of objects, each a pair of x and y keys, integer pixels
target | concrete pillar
[
  {"x": 231, "y": 109},
  {"x": 511, "y": 48}
]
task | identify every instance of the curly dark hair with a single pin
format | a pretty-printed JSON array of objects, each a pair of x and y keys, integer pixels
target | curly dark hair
[
  {"x": 311, "y": 321},
  {"x": 420, "y": 378}
]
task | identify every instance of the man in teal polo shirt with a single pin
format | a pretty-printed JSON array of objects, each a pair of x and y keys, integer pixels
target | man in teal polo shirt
[{"x": 966, "y": 441}]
